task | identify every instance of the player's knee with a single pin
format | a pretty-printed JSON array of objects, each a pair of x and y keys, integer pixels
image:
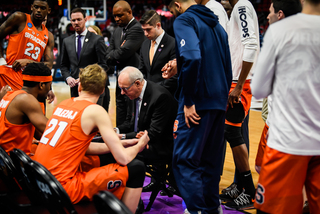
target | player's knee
[
  {"x": 233, "y": 135},
  {"x": 235, "y": 114},
  {"x": 136, "y": 171}
]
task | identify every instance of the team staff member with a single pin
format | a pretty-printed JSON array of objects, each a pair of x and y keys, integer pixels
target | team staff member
[
  {"x": 204, "y": 68},
  {"x": 29, "y": 40},
  {"x": 67, "y": 139},
  {"x": 81, "y": 49},
  {"x": 124, "y": 49},
  {"x": 288, "y": 67},
  {"x": 20, "y": 111},
  {"x": 156, "y": 51}
]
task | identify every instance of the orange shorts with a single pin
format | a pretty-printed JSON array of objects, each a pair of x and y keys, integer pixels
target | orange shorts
[
  {"x": 84, "y": 185},
  {"x": 89, "y": 162},
  {"x": 281, "y": 181},
  {"x": 262, "y": 145},
  {"x": 246, "y": 96},
  {"x": 10, "y": 77}
]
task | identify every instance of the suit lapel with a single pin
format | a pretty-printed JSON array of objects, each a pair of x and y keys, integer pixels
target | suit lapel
[
  {"x": 145, "y": 104},
  {"x": 85, "y": 44},
  {"x": 161, "y": 46},
  {"x": 128, "y": 28},
  {"x": 73, "y": 46}
]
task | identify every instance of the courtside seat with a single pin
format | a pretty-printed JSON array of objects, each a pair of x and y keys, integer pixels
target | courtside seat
[
  {"x": 51, "y": 192},
  {"x": 11, "y": 196},
  {"x": 107, "y": 203}
]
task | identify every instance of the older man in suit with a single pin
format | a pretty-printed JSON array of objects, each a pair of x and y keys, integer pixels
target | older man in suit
[
  {"x": 156, "y": 51},
  {"x": 124, "y": 48},
  {"x": 150, "y": 112},
  {"x": 81, "y": 49}
]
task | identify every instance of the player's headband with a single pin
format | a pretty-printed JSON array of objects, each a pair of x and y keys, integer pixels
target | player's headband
[{"x": 36, "y": 78}]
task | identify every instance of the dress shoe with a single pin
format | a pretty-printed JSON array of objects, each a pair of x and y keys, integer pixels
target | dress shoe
[
  {"x": 149, "y": 188},
  {"x": 172, "y": 190}
]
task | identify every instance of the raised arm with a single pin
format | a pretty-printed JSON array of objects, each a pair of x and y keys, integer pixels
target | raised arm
[{"x": 12, "y": 26}]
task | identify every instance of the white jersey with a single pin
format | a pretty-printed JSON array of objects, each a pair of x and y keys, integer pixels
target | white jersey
[
  {"x": 243, "y": 36},
  {"x": 289, "y": 68},
  {"x": 219, "y": 11}
]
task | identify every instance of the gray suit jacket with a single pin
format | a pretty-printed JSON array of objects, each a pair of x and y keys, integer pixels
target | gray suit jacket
[
  {"x": 93, "y": 51},
  {"x": 127, "y": 54}
]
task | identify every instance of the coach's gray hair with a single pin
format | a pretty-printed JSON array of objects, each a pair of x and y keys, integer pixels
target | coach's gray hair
[{"x": 133, "y": 73}]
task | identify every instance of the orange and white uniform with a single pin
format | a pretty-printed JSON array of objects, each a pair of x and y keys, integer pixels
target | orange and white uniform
[
  {"x": 62, "y": 148},
  {"x": 14, "y": 135},
  {"x": 28, "y": 44},
  {"x": 288, "y": 67}
]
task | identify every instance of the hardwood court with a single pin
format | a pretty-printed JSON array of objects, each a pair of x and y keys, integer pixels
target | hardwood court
[{"x": 256, "y": 125}]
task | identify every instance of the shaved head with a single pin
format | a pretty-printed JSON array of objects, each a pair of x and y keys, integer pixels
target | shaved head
[
  {"x": 122, "y": 13},
  {"x": 123, "y": 4}
]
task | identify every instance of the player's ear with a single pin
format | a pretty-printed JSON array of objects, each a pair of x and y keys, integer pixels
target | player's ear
[{"x": 49, "y": 10}]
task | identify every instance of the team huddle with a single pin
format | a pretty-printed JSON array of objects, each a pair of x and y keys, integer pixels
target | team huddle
[{"x": 178, "y": 99}]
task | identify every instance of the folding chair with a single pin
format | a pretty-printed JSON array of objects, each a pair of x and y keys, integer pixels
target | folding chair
[
  {"x": 11, "y": 193},
  {"x": 107, "y": 203},
  {"x": 159, "y": 170},
  {"x": 51, "y": 192}
]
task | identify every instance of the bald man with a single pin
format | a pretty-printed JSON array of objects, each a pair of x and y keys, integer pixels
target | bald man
[{"x": 124, "y": 48}]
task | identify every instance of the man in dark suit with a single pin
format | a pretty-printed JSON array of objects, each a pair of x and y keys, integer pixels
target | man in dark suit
[
  {"x": 81, "y": 49},
  {"x": 154, "y": 109},
  {"x": 160, "y": 48},
  {"x": 124, "y": 48}
]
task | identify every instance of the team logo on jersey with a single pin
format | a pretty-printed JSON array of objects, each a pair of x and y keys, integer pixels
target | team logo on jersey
[
  {"x": 37, "y": 34},
  {"x": 114, "y": 184},
  {"x": 183, "y": 43},
  {"x": 33, "y": 32},
  {"x": 29, "y": 25},
  {"x": 45, "y": 36},
  {"x": 260, "y": 194},
  {"x": 175, "y": 128},
  {"x": 45, "y": 40},
  {"x": 244, "y": 24}
]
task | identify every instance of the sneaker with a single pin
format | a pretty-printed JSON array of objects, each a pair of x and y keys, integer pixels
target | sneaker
[
  {"x": 186, "y": 211},
  {"x": 229, "y": 188},
  {"x": 230, "y": 195},
  {"x": 242, "y": 202}
]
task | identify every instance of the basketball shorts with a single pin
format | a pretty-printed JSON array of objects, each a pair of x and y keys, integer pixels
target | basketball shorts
[
  {"x": 281, "y": 181},
  {"x": 10, "y": 77},
  {"x": 84, "y": 185},
  {"x": 262, "y": 145},
  {"x": 89, "y": 162},
  {"x": 243, "y": 110}
]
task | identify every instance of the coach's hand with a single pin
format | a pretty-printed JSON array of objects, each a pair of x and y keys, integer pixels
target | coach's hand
[
  {"x": 191, "y": 114},
  {"x": 72, "y": 82}
]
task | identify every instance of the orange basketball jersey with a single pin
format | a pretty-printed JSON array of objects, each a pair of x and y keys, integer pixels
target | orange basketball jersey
[
  {"x": 63, "y": 143},
  {"x": 13, "y": 135},
  {"x": 28, "y": 44}
]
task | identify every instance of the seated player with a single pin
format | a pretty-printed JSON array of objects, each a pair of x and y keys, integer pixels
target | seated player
[
  {"x": 67, "y": 139},
  {"x": 20, "y": 111}
]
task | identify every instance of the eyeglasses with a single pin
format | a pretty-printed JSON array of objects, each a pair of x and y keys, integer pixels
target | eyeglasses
[{"x": 127, "y": 88}]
